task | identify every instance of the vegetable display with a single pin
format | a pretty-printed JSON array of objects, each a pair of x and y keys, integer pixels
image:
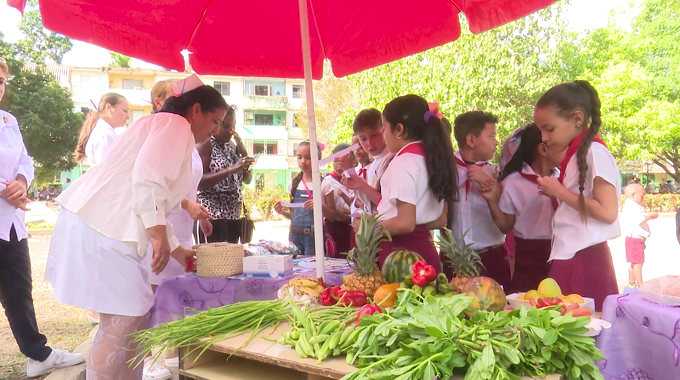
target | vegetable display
[
  {"x": 336, "y": 295},
  {"x": 423, "y": 273},
  {"x": 424, "y": 338}
]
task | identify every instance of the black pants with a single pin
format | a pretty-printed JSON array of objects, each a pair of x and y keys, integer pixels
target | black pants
[
  {"x": 15, "y": 295},
  {"x": 224, "y": 230}
]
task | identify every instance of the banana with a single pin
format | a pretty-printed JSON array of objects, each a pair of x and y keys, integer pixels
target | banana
[
  {"x": 309, "y": 291},
  {"x": 319, "y": 289},
  {"x": 446, "y": 288}
]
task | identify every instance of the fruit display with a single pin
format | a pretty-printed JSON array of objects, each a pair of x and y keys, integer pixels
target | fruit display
[
  {"x": 549, "y": 294},
  {"x": 464, "y": 262},
  {"x": 399, "y": 264},
  {"x": 424, "y": 281},
  {"x": 305, "y": 289},
  {"x": 386, "y": 295},
  {"x": 367, "y": 276},
  {"x": 487, "y": 294}
]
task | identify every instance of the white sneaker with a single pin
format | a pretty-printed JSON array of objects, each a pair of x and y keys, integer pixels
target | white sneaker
[
  {"x": 57, "y": 359},
  {"x": 172, "y": 362},
  {"x": 155, "y": 371}
]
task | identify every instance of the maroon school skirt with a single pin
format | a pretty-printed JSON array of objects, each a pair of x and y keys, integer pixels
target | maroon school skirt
[
  {"x": 496, "y": 265},
  {"x": 418, "y": 241},
  {"x": 589, "y": 273},
  {"x": 341, "y": 232},
  {"x": 531, "y": 263},
  {"x": 635, "y": 250}
]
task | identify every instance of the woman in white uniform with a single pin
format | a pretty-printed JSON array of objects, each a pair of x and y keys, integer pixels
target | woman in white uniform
[
  {"x": 98, "y": 134},
  {"x": 111, "y": 214}
]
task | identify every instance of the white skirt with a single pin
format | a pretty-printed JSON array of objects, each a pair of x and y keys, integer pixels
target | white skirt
[{"x": 93, "y": 272}]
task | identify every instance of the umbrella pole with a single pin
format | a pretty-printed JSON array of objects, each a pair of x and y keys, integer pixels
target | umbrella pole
[{"x": 316, "y": 176}]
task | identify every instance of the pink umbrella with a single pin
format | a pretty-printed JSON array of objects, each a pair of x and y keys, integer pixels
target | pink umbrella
[{"x": 275, "y": 38}]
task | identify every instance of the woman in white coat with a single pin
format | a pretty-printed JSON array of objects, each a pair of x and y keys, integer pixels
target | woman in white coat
[
  {"x": 98, "y": 134},
  {"x": 111, "y": 214}
]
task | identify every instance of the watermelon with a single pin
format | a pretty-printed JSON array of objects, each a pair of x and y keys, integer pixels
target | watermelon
[{"x": 398, "y": 264}]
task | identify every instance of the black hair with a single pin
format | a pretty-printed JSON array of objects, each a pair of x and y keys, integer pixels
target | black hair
[
  {"x": 369, "y": 118},
  {"x": 526, "y": 151},
  {"x": 409, "y": 111},
  {"x": 209, "y": 99},
  {"x": 340, "y": 147},
  {"x": 298, "y": 177},
  {"x": 581, "y": 96},
  {"x": 447, "y": 126},
  {"x": 473, "y": 123}
]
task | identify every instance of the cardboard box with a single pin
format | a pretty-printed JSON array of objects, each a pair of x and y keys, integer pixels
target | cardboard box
[{"x": 270, "y": 266}]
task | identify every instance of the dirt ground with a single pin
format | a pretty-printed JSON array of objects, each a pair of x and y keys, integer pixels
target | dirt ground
[{"x": 65, "y": 326}]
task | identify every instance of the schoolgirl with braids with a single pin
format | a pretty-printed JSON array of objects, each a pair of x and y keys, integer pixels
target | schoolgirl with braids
[
  {"x": 420, "y": 179},
  {"x": 302, "y": 218},
  {"x": 586, "y": 194},
  {"x": 521, "y": 209}
]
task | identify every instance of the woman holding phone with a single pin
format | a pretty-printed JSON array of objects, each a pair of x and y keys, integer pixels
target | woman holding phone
[{"x": 226, "y": 166}]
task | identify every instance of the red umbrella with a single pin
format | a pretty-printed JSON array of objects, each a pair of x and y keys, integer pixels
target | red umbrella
[{"x": 275, "y": 38}]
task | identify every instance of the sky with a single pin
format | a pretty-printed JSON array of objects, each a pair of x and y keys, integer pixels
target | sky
[{"x": 581, "y": 14}]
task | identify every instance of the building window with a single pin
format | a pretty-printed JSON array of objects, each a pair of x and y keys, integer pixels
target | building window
[
  {"x": 132, "y": 84},
  {"x": 262, "y": 90},
  {"x": 136, "y": 115},
  {"x": 295, "y": 148},
  {"x": 265, "y": 149},
  {"x": 223, "y": 87},
  {"x": 298, "y": 89},
  {"x": 264, "y": 119}
]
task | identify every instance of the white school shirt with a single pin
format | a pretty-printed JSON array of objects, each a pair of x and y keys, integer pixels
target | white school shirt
[
  {"x": 102, "y": 137},
  {"x": 14, "y": 160},
  {"x": 406, "y": 179},
  {"x": 326, "y": 188},
  {"x": 374, "y": 174},
  {"x": 142, "y": 178},
  {"x": 472, "y": 212},
  {"x": 338, "y": 189},
  {"x": 570, "y": 234},
  {"x": 633, "y": 215},
  {"x": 533, "y": 212}
]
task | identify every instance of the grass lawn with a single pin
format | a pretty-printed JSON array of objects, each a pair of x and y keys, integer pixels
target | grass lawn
[{"x": 65, "y": 326}]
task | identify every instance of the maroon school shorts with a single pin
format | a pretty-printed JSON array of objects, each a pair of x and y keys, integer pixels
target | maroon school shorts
[{"x": 635, "y": 250}]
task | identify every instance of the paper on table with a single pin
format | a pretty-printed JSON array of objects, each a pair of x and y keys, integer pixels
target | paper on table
[
  {"x": 341, "y": 153},
  {"x": 292, "y": 205}
]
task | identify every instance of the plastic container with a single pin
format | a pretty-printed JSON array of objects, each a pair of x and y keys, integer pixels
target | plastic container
[{"x": 516, "y": 304}]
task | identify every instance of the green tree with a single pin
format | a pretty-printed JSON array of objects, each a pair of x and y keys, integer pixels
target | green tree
[
  {"x": 502, "y": 71},
  {"x": 656, "y": 30},
  {"x": 120, "y": 60},
  {"x": 44, "y": 110},
  {"x": 38, "y": 43}
]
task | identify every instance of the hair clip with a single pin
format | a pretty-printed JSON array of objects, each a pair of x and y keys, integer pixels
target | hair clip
[
  {"x": 433, "y": 110},
  {"x": 187, "y": 84}
]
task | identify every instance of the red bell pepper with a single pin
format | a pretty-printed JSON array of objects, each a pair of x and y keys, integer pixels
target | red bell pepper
[
  {"x": 335, "y": 296},
  {"x": 368, "y": 309},
  {"x": 423, "y": 273}
]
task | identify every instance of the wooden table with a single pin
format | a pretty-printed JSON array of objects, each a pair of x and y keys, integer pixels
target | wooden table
[{"x": 264, "y": 360}]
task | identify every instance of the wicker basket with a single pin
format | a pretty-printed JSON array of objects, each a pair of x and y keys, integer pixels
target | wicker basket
[{"x": 219, "y": 259}]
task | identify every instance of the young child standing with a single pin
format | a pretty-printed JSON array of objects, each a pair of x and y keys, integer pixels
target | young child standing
[
  {"x": 521, "y": 208},
  {"x": 302, "y": 218},
  {"x": 368, "y": 128},
  {"x": 420, "y": 179},
  {"x": 341, "y": 229},
  {"x": 363, "y": 158},
  {"x": 475, "y": 133},
  {"x": 586, "y": 193},
  {"x": 636, "y": 228}
]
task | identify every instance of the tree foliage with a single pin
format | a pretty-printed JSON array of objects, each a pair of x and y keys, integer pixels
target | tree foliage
[
  {"x": 38, "y": 43},
  {"x": 120, "y": 60}
]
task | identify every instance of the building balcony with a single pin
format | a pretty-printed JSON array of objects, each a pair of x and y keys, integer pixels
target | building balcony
[{"x": 255, "y": 102}]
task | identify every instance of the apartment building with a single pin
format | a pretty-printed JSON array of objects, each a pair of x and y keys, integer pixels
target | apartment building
[{"x": 265, "y": 111}]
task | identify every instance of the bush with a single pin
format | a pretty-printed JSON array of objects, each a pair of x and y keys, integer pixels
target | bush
[
  {"x": 659, "y": 202},
  {"x": 263, "y": 201}
]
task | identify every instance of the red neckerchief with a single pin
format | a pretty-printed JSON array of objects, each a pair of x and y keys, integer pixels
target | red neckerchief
[
  {"x": 362, "y": 173},
  {"x": 413, "y": 148},
  {"x": 465, "y": 165},
  {"x": 336, "y": 177},
  {"x": 573, "y": 147}
]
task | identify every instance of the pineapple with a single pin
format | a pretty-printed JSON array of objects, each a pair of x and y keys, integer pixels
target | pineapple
[
  {"x": 464, "y": 261},
  {"x": 367, "y": 277}
]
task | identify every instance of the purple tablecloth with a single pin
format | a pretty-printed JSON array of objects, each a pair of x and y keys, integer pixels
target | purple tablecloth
[
  {"x": 175, "y": 294},
  {"x": 643, "y": 342}
]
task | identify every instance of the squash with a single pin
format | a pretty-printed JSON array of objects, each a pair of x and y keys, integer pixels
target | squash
[{"x": 386, "y": 295}]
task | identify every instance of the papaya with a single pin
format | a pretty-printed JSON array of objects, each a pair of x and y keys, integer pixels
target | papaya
[
  {"x": 487, "y": 294},
  {"x": 386, "y": 295}
]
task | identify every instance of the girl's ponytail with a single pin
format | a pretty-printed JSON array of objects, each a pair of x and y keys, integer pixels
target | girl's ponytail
[{"x": 530, "y": 138}]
